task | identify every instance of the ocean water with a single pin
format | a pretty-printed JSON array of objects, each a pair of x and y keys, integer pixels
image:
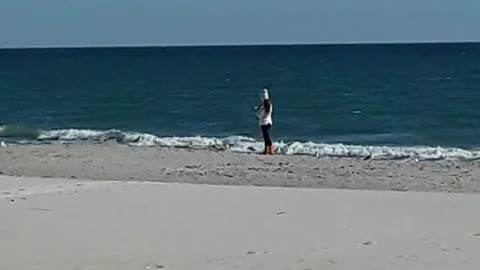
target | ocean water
[{"x": 391, "y": 101}]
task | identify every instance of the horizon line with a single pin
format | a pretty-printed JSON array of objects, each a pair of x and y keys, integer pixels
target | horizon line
[{"x": 272, "y": 44}]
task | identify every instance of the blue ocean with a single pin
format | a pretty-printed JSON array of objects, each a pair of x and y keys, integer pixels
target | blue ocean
[{"x": 392, "y": 101}]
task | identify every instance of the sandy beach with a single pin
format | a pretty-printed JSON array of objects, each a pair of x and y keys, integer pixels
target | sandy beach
[
  {"x": 50, "y": 224},
  {"x": 111, "y": 206},
  {"x": 113, "y": 161}
]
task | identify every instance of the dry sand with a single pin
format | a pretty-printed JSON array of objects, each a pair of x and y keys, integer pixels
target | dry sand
[
  {"x": 50, "y": 224},
  {"x": 121, "y": 162}
]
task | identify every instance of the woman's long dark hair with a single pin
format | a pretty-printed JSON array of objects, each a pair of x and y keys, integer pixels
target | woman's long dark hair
[{"x": 267, "y": 105}]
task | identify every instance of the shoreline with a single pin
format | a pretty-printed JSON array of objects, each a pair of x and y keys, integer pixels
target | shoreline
[
  {"x": 112, "y": 161},
  {"x": 239, "y": 144}
]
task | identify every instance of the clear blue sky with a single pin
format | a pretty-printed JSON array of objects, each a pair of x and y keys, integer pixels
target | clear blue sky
[{"x": 25, "y": 23}]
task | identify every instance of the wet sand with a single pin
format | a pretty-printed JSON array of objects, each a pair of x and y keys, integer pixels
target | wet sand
[{"x": 121, "y": 162}]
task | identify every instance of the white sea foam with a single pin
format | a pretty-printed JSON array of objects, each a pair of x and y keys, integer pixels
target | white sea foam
[
  {"x": 440, "y": 79},
  {"x": 243, "y": 144},
  {"x": 78, "y": 134}
]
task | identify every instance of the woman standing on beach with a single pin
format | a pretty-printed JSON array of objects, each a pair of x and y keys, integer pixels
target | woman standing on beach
[{"x": 264, "y": 114}]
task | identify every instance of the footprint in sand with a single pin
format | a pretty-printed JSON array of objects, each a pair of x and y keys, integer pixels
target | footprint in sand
[
  {"x": 41, "y": 209},
  {"x": 407, "y": 257},
  {"x": 265, "y": 252},
  {"x": 331, "y": 261},
  {"x": 154, "y": 266},
  {"x": 367, "y": 243}
]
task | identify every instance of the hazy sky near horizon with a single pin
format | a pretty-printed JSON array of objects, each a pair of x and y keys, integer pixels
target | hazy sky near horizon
[{"x": 25, "y": 23}]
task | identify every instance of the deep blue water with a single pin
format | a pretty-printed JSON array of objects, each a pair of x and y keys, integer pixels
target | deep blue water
[{"x": 423, "y": 94}]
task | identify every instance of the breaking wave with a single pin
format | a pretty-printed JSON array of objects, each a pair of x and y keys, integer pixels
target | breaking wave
[{"x": 240, "y": 144}]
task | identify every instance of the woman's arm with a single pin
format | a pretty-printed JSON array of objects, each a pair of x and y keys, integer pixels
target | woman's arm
[{"x": 259, "y": 111}]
